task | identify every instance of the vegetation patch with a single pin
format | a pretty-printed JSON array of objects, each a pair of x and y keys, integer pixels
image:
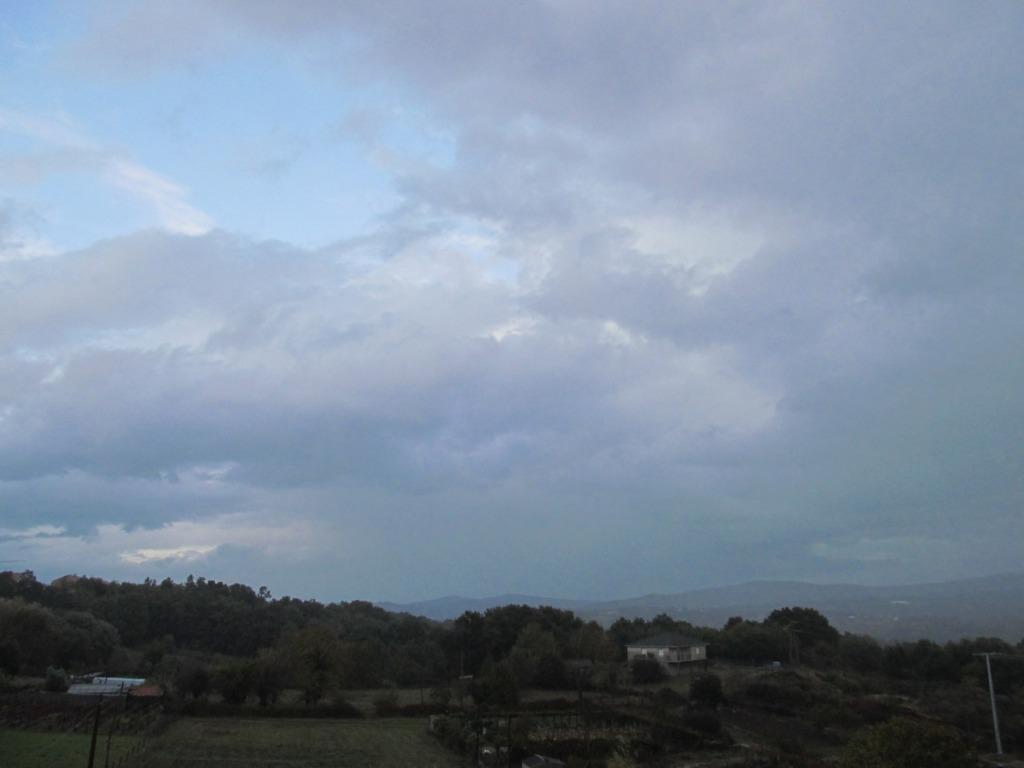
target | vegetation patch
[
  {"x": 33, "y": 749},
  {"x": 390, "y": 743}
]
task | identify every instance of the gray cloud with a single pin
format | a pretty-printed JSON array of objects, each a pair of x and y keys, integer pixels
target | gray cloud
[{"x": 705, "y": 294}]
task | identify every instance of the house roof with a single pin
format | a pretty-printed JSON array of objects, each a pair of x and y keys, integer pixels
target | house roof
[
  {"x": 127, "y": 682},
  {"x": 146, "y": 691},
  {"x": 666, "y": 640},
  {"x": 96, "y": 689}
]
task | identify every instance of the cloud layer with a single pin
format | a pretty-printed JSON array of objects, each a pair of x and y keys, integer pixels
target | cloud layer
[{"x": 702, "y": 294}]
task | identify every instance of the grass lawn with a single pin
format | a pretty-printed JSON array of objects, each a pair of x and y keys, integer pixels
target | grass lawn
[
  {"x": 33, "y": 749},
  {"x": 272, "y": 743}
]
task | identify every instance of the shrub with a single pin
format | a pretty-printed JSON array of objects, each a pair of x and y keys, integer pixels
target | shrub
[
  {"x": 904, "y": 743},
  {"x": 550, "y": 672},
  {"x": 56, "y": 680},
  {"x": 497, "y": 688},
  {"x": 782, "y": 699},
  {"x": 706, "y": 691},
  {"x": 234, "y": 683},
  {"x": 192, "y": 679},
  {"x": 669, "y": 698},
  {"x": 646, "y": 671}
]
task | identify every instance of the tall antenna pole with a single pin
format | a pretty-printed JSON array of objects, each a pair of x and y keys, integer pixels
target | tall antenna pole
[{"x": 992, "y": 698}]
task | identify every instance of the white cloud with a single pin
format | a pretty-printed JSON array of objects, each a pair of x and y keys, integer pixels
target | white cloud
[
  {"x": 167, "y": 198},
  {"x": 33, "y": 532},
  {"x": 181, "y": 554}
]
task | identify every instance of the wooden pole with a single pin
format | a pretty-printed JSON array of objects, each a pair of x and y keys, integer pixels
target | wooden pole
[{"x": 95, "y": 732}]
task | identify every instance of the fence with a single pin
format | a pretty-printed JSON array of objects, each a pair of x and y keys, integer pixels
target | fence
[
  {"x": 109, "y": 717},
  {"x": 156, "y": 724}
]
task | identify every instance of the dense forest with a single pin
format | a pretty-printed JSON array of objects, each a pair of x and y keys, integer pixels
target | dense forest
[{"x": 204, "y": 633}]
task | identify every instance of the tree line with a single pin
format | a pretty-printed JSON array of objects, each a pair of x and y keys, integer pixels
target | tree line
[{"x": 201, "y": 633}]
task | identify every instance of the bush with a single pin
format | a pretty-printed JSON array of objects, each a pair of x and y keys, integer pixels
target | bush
[
  {"x": 56, "y": 680},
  {"x": 706, "y": 691},
  {"x": 497, "y": 688},
  {"x": 903, "y": 743},
  {"x": 10, "y": 656},
  {"x": 192, "y": 679},
  {"x": 550, "y": 673},
  {"x": 646, "y": 671},
  {"x": 778, "y": 698},
  {"x": 234, "y": 683},
  {"x": 669, "y": 698}
]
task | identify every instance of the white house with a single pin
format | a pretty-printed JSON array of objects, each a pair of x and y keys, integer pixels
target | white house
[{"x": 672, "y": 651}]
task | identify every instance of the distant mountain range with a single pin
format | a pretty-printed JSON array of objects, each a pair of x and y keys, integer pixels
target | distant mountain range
[{"x": 987, "y": 606}]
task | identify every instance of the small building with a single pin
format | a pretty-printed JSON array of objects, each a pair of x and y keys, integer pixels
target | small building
[
  {"x": 144, "y": 695},
  {"x": 146, "y": 692},
  {"x": 672, "y": 651},
  {"x": 106, "y": 686},
  {"x": 95, "y": 689},
  {"x": 125, "y": 682}
]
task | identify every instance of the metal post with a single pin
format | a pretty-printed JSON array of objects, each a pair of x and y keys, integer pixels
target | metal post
[
  {"x": 992, "y": 698},
  {"x": 95, "y": 732},
  {"x": 110, "y": 736}
]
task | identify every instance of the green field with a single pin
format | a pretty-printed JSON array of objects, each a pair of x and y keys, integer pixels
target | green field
[
  {"x": 33, "y": 749},
  {"x": 270, "y": 743}
]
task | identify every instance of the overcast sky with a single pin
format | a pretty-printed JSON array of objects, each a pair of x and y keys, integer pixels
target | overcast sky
[{"x": 392, "y": 300}]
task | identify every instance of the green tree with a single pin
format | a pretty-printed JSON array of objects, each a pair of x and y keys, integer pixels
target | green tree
[
  {"x": 904, "y": 743},
  {"x": 314, "y": 654},
  {"x": 532, "y": 645},
  {"x": 267, "y": 673},
  {"x": 809, "y": 625},
  {"x": 861, "y": 653},
  {"x": 234, "y": 682},
  {"x": 191, "y": 679},
  {"x": 550, "y": 672},
  {"x": 496, "y": 687},
  {"x": 56, "y": 679}
]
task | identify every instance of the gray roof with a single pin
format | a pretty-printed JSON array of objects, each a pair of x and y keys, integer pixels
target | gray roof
[
  {"x": 666, "y": 640},
  {"x": 96, "y": 689},
  {"x": 125, "y": 681}
]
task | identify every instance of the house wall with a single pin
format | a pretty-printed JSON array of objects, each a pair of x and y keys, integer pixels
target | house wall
[{"x": 669, "y": 658}]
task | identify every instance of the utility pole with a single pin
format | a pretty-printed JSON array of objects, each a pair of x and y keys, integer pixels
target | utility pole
[
  {"x": 794, "y": 643},
  {"x": 992, "y": 698}
]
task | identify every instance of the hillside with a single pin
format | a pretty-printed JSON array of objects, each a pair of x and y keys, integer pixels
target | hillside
[{"x": 941, "y": 611}]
